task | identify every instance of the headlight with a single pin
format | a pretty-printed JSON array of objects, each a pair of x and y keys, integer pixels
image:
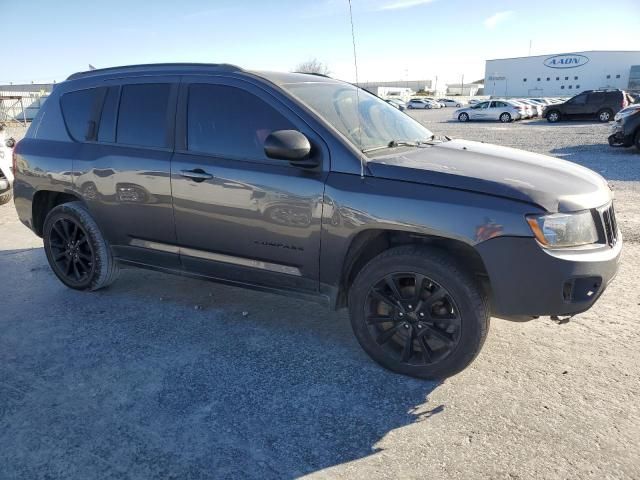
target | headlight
[
  {"x": 625, "y": 113},
  {"x": 559, "y": 230}
]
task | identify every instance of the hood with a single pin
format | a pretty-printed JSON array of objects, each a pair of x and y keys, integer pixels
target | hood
[{"x": 552, "y": 184}]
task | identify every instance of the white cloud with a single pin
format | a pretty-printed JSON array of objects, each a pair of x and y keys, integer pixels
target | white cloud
[
  {"x": 496, "y": 18},
  {"x": 404, "y": 4}
]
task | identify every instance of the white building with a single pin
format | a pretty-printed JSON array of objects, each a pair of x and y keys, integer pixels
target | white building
[
  {"x": 466, "y": 90},
  {"x": 562, "y": 74}
]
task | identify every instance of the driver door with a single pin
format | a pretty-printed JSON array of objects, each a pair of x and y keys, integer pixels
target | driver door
[
  {"x": 576, "y": 105},
  {"x": 239, "y": 215},
  {"x": 479, "y": 112}
]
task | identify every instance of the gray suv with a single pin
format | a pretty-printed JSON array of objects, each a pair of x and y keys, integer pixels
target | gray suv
[{"x": 304, "y": 185}]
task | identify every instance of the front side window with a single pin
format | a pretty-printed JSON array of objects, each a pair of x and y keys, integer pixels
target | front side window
[
  {"x": 579, "y": 100},
  {"x": 363, "y": 119},
  {"x": 230, "y": 122},
  {"x": 142, "y": 118}
]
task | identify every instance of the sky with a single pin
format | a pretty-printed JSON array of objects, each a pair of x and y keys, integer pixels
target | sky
[{"x": 395, "y": 39}]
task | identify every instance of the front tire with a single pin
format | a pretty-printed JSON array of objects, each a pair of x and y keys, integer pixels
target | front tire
[
  {"x": 463, "y": 117},
  {"x": 415, "y": 311},
  {"x": 553, "y": 116},
  {"x": 76, "y": 250}
]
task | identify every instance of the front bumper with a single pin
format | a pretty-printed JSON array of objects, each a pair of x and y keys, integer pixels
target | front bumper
[
  {"x": 618, "y": 136},
  {"x": 527, "y": 280}
]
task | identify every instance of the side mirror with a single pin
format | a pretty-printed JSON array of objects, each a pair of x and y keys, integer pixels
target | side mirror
[
  {"x": 10, "y": 143},
  {"x": 287, "y": 145}
]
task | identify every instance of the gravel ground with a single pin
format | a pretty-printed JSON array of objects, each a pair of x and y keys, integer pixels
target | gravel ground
[{"x": 168, "y": 377}]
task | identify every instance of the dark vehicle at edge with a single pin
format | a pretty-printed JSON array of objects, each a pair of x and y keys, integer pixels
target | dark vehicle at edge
[
  {"x": 599, "y": 104},
  {"x": 304, "y": 185},
  {"x": 625, "y": 130}
]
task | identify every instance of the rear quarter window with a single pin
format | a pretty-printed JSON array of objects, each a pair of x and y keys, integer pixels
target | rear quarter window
[{"x": 78, "y": 109}]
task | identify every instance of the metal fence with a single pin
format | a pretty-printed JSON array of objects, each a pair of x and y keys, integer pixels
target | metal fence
[{"x": 20, "y": 107}]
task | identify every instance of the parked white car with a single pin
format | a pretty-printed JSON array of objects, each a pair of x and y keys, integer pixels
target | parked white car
[
  {"x": 489, "y": 110},
  {"x": 6, "y": 173},
  {"x": 447, "y": 102},
  {"x": 422, "y": 103}
]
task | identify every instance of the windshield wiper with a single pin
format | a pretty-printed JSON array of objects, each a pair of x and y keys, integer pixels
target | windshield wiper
[{"x": 394, "y": 144}]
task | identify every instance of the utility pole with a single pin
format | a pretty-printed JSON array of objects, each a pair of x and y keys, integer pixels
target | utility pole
[
  {"x": 530, "y": 42},
  {"x": 462, "y": 86}
]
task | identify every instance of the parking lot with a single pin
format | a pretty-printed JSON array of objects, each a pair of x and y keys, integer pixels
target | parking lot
[{"x": 169, "y": 377}]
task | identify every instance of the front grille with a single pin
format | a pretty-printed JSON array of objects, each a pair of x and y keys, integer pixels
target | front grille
[{"x": 609, "y": 225}]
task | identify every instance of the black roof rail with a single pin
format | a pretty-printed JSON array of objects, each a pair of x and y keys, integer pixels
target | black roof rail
[{"x": 151, "y": 67}]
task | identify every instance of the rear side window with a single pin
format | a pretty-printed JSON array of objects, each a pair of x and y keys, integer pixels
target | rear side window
[
  {"x": 230, "y": 122},
  {"x": 596, "y": 97},
  {"x": 78, "y": 109},
  {"x": 143, "y": 115}
]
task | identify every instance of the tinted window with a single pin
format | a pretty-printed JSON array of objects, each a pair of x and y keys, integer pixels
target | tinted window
[
  {"x": 142, "y": 119},
  {"x": 579, "y": 100},
  {"x": 77, "y": 109},
  {"x": 107, "y": 128},
  {"x": 501, "y": 104},
  {"x": 228, "y": 121},
  {"x": 596, "y": 97},
  {"x": 482, "y": 105}
]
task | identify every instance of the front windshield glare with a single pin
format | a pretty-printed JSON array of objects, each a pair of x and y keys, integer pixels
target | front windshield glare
[{"x": 379, "y": 124}]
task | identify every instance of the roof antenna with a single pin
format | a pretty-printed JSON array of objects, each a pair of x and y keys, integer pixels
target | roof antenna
[{"x": 355, "y": 64}]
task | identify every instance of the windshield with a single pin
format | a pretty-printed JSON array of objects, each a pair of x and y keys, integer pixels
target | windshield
[{"x": 379, "y": 125}]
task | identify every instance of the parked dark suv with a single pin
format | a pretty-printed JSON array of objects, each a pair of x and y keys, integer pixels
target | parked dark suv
[
  {"x": 298, "y": 184},
  {"x": 600, "y": 104}
]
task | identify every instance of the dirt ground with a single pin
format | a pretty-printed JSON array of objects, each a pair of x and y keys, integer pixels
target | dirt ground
[{"x": 168, "y": 377}]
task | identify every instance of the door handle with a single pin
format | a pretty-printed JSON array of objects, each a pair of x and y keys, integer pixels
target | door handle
[{"x": 197, "y": 175}]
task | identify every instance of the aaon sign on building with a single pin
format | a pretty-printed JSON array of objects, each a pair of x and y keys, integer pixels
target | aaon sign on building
[{"x": 566, "y": 61}]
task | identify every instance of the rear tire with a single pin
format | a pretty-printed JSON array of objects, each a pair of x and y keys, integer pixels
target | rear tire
[
  {"x": 636, "y": 141},
  {"x": 76, "y": 250},
  {"x": 505, "y": 117},
  {"x": 463, "y": 117},
  {"x": 433, "y": 334},
  {"x": 605, "y": 115}
]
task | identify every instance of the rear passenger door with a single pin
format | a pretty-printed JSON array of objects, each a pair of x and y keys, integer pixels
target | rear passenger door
[
  {"x": 248, "y": 218},
  {"x": 123, "y": 172}
]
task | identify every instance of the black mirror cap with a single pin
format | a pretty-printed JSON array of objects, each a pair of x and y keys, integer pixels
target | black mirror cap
[{"x": 288, "y": 145}]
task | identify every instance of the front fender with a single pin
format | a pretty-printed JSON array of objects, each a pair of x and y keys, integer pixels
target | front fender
[{"x": 353, "y": 205}]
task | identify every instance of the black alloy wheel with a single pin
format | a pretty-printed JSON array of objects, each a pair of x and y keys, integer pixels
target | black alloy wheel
[
  {"x": 412, "y": 318},
  {"x": 72, "y": 254}
]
